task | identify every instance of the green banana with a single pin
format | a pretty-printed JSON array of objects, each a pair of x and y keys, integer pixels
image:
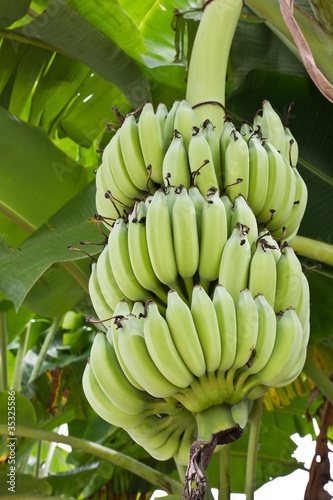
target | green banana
[
  {"x": 213, "y": 239},
  {"x": 169, "y": 126},
  {"x": 258, "y": 180},
  {"x": 183, "y": 454},
  {"x": 139, "y": 254},
  {"x": 213, "y": 140},
  {"x": 236, "y": 167},
  {"x": 228, "y": 210},
  {"x": 242, "y": 212},
  {"x": 272, "y": 127},
  {"x": 199, "y": 203},
  {"x": 262, "y": 274},
  {"x": 201, "y": 162},
  {"x": 303, "y": 303},
  {"x": 246, "y": 130},
  {"x": 184, "y": 334},
  {"x": 228, "y": 129},
  {"x": 121, "y": 263},
  {"x": 185, "y": 120},
  {"x": 134, "y": 352},
  {"x": 103, "y": 205},
  {"x": 291, "y": 148},
  {"x": 226, "y": 318},
  {"x": 161, "y": 116},
  {"x": 162, "y": 349},
  {"x": 279, "y": 219},
  {"x": 102, "y": 308},
  {"x": 276, "y": 183},
  {"x": 112, "y": 379},
  {"x": 170, "y": 448},
  {"x": 176, "y": 169},
  {"x": 185, "y": 238},
  {"x": 235, "y": 263},
  {"x": 288, "y": 280},
  {"x": 151, "y": 142}
]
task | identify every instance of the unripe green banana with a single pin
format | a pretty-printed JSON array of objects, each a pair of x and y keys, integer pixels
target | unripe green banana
[
  {"x": 270, "y": 243},
  {"x": 207, "y": 327},
  {"x": 169, "y": 126},
  {"x": 247, "y": 331},
  {"x": 184, "y": 334},
  {"x": 161, "y": 116},
  {"x": 213, "y": 420},
  {"x": 228, "y": 210},
  {"x": 132, "y": 153},
  {"x": 303, "y": 303},
  {"x": 257, "y": 123},
  {"x": 107, "y": 281},
  {"x": 162, "y": 349},
  {"x": 185, "y": 120},
  {"x": 139, "y": 254},
  {"x": 288, "y": 280},
  {"x": 240, "y": 412},
  {"x": 291, "y": 148},
  {"x": 235, "y": 263},
  {"x": 176, "y": 169},
  {"x": 262, "y": 274},
  {"x": 185, "y": 238},
  {"x": 151, "y": 142},
  {"x": 183, "y": 454},
  {"x": 102, "y": 308},
  {"x": 102, "y": 405},
  {"x": 201, "y": 162},
  {"x": 103, "y": 205},
  {"x": 226, "y": 318},
  {"x": 213, "y": 140},
  {"x": 214, "y": 233},
  {"x": 115, "y": 171},
  {"x": 169, "y": 449},
  {"x": 160, "y": 241},
  {"x": 150, "y": 443},
  {"x": 276, "y": 183},
  {"x": 134, "y": 352},
  {"x": 112, "y": 379},
  {"x": 227, "y": 130},
  {"x": 199, "y": 203},
  {"x": 121, "y": 263},
  {"x": 139, "y": 311},
  {"x": 258, "y": 180},
  {"x": 280, "y": 218},
  {"x": 236, "y": 167},
  {"x": 242, "y": 213},
  {"x": 272, "y": 127},
  {"x": 265, "y": 340},
  {"x": 246, "y": 130}
]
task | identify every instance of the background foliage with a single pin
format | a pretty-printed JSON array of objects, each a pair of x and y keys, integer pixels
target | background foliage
[{"x": 63, "y": 64}]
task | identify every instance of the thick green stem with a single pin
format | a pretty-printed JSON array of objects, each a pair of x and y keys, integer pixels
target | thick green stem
[
  {"x": 224, "y": 485},
  {"x": 320, "y": 379},
  {"x": 16, "y": 385},
  {"x": 158, "y": 479},
  {"x": 42, "y": 354},
  {"x": 314, "y": 249},
  {"x": 3, "y": 345},
  {"x": 209, "y": 59},
  {"x": 252, "y": 453}
]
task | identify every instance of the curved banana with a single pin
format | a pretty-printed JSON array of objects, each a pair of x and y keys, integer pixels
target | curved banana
[
  {"x": 107, "y": 281},
  {"x": 169, "y": 126},
  {"x": 176, "y": 169},
  {"x": 103, "y": 205},
  {"x": 280, "y": 218},
  {"x": 288, "y": 279},
  {"x": 258, "y": 180},
  {"x": 162, "y": 349},
  {"x": 201, "y": 162},
  {"x": 276, "y": 183},
  {"x": 112, "y": 379},
  {"x": 226, "y": 318},
  {"x": 170, "y": 448},
  {"x": 199, "y": 203},
  {"x": 303, "y": 303},
  {"x": 121, "y": 263},
  {"x": 240, "y": 412},
  {"x": 270, "y": 243},
  {"x": 151, "y": 142},
  {"x": 262, "y": 274},
  {"x": 246, "y": 130},
  {"x": 160, "y": 241},
  {"x": 185, "y": 120},
  {"x": 235, "y": 263},
  {"x": 182, "y": 456},
  {"x": 161, "y": 116},
  {"x": 272, "y": 127},
  {"x": 132, "y": 153},
  {"x": 242, "y": 212},
  {"x": 227, "y": 130},
  {"x": 214, "y": 233},
  {"x": 102, "y": 308},
  {"x": 139, "y": 254},
  {"x": 213, "y": 140},
  {"x": 102, "y": 405},
  {"x": 228, "y": 210},
  {"x": 185, "y": 238},
  {"x": 265, "y": 340},
  {"x": 236, "y": 166},
  {"x": 207, "y": 327},
  {"x": 134, "y": 352},
  {"x": 184, "y": 334},
  {"x": 291, "y": 148}
]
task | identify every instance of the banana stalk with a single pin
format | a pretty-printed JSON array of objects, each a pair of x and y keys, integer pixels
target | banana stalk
[{"x": 209, "y": 58}]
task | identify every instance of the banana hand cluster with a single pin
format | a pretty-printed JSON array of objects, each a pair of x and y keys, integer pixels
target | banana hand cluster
[{"x": 162, "y": 149}]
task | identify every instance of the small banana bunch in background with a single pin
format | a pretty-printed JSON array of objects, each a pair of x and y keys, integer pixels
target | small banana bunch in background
[{"x": 258, "y": 161}]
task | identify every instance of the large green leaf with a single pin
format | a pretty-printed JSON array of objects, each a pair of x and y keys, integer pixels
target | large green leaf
[
  {"x": 11, "y": 11},
  {"x": 67, "y": 31}
]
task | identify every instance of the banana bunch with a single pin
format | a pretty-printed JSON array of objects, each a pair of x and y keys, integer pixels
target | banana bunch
[{"x": 162, "y": 149}]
